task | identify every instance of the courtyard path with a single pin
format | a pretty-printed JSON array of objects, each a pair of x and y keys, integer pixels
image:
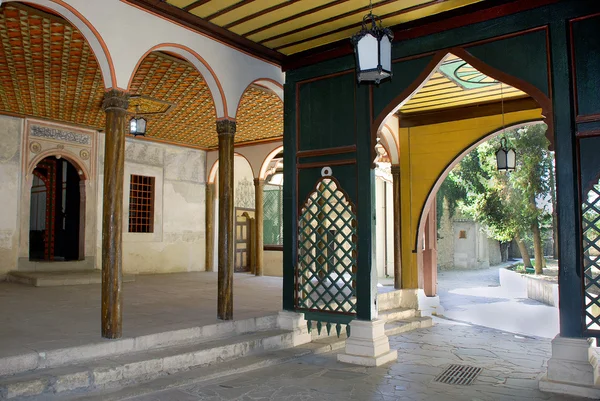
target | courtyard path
[{"x": 475, "y": 296}]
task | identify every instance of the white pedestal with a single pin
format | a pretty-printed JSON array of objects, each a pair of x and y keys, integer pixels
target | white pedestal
[
  {"x": 368, "y": 345},
  {"x": 429, "y": 306},
  {"x": 571, "y": 368},
  {"x": 296, "y": 323}
]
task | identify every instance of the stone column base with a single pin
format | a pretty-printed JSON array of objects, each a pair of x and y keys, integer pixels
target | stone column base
[
  {"x": 429, "y": 306},
  {"x": 571, "y": 369},
  {"x": 296, "y": 323},
  {"x": 368, "y": 345}
]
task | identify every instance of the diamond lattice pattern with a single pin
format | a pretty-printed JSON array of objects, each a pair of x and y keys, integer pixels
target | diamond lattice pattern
[
  {"x": 590, "y": 212},
  {"x": 326, "y": 269}
]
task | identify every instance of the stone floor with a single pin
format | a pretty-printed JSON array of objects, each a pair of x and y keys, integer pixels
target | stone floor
[
  {"x": 511, "y": 366},
  {"x": 57, "y": 317}
]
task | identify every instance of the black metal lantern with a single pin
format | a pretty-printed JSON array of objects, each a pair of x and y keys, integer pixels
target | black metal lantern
[
  {"x": 506, "y": 158},
  {"x": 137, "y": 126},
  {"x": 373, "y": 50}
]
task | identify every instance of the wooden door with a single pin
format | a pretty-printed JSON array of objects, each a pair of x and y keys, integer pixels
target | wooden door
[{"x": 242, "y": 240}]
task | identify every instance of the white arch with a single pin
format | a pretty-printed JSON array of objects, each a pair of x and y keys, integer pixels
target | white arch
[
  {"x": 388, "y": 140},
  {"x": 89, "y": 32},
  {"x": 263, "y": 169}
]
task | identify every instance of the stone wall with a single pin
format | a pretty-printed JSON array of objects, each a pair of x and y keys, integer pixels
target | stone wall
[
  {"x": 10, "y": 165},
  {"x": 177, "y": 243},
  {"x": 445, "y": 244}
]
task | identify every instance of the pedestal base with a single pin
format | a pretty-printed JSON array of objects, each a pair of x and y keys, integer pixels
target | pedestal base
[
  {"x": 429, "y": 306},
  {"x": 296, "y": 323},
  {"x": 571, "y": 368},
  {"x": 368, "y": 345}
]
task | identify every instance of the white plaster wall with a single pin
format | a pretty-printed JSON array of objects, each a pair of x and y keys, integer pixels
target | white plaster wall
[
  {"x": 465, "y": 248},
  {"x": 11, "y": 130},
  {"x": 273, "y": 263},
  {"x": 115, "y": 20},
  {"x": 445, "y": 241},
  {"x": 177, "y": 243},
  {"x": 379, "y": 227}
]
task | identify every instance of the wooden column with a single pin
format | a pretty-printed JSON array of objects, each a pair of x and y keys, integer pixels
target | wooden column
[
  {"x": 259, "y": 187},
  {"x": 430, "y": 253},
  {"x": 210, "y": 227},
  {"x": 115, "y": 105},
  {"x": 226, "y": 131},
  {"x": 397, "y": 228}
]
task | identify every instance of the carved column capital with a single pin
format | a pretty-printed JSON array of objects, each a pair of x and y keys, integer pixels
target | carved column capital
[
  {"x": 226, "y": 127},
  {"x": 395, "y": 170},
  {"x": 259, "y": 182},
  {"x": 115, "y": 99}
]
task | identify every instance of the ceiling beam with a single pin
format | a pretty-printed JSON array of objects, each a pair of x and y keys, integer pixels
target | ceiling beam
[
  {"x": 408, "y": 120},
  {"x": 205, "y": 27},
  {"x": 463, "y": 16}
]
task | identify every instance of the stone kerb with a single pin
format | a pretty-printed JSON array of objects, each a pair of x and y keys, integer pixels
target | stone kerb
[{"x": 522, "y": 285}]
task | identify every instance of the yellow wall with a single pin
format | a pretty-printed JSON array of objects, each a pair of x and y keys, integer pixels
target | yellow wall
[{"x": 425, "y": 153}]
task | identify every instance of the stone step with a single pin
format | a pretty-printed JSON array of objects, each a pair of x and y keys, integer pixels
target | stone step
[
  {"x": 141, "y": 366},
  {"x": 396, "y": 327},
  {"x": 397, "y": 298},
  {"x": 398, "y": 314},
  {"x": 206, "y": 373},
  {"x": 52, "y": 358},
  {"x": 60, "y": 277}
]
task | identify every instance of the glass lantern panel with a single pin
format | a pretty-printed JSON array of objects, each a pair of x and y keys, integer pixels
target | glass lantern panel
[
  {"x": 132, "y": 126},
  {"x": 386, "y": 53},
  {"x": 367, "y": 53},
  {"x": 141, "y": 125},
  {"x": 511, "y": 159},
  {"x": 501, "y": 159}
]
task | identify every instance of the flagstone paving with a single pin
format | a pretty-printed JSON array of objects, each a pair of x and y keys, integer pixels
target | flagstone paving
[{"x": 511, "y": 366}]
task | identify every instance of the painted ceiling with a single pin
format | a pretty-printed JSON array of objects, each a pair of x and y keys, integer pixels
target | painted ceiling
[
  {"x": 292, "y": 26},
  {"x": 455, "y": 83},
  {"x": 47, "y": 70}
]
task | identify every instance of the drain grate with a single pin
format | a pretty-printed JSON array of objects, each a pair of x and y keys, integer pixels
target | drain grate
[{"x": 462, "y": 375}]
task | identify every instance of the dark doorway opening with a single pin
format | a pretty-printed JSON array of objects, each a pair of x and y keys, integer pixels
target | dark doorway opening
[{"x": 55, "y": 214}]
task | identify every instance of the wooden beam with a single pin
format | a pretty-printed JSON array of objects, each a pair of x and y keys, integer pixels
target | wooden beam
[
  {"x": 408, "y": 120},
  {"x": 463, "y": 16},
  {"x": 205, "y": 27}
]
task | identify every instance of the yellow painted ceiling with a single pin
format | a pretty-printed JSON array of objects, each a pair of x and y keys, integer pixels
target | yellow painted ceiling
[
  {"x": 456, "y": 83},
  {"x": 292, "y": 26},
  {"x": 48, "y": 70}
]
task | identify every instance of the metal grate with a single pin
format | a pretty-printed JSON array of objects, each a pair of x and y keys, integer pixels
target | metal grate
[
  {"x": 590, "y": 222},
  {"x": 141, "y": 204},
  {"x": 462, "y": 375},
  {"x": 326, "y": 268}
]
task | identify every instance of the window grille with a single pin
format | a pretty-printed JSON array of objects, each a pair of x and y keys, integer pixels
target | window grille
[
  {"x": 141, "y": 204},
  {"x": 273, "y": 215}
]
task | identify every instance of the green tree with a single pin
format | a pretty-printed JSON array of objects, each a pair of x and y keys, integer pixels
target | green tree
[{"x": 507, "y": 205}]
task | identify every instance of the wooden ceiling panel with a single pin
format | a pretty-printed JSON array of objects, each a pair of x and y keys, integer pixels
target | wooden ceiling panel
[
  {"x": 293, "y": 26},
  {"x": 48, "y": 70},
  {"x": 456, "y": 83}
]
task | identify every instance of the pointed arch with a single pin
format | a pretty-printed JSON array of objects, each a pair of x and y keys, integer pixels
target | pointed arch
[
  {"x": 262, "y": 174},
  {"x": 543, "y": 101}
]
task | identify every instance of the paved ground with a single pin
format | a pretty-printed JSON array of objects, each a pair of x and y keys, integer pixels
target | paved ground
[
  {"x": 55, "y": 317},
  {"x": 511, "y": 367},
  {"x": 475, "y": 296}
]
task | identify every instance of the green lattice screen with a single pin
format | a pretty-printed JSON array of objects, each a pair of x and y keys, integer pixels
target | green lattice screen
[
  {"x": 590, "y": 212},
  {"x": 326, "y": 268},
  {"x": 273, "y": 215}
]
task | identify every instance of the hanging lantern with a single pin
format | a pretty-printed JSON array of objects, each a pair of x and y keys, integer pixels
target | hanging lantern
[
  {"x": 137, "y": 126},
  {"x": 373, "y": 50},
  {"x": 506, "y": 158}
]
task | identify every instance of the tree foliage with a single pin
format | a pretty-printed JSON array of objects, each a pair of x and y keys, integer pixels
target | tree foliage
[{"x": 509, "y": 206}]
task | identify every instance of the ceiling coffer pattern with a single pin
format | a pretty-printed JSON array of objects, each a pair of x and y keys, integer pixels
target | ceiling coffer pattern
[
  {"x": 292, "y": 26},
  {"x": 48, "y": 70}
]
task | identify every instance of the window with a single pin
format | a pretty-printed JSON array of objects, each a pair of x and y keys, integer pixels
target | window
[
  {"x": 141, "y": 204},
  {"x": 462, "y": 234}
]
